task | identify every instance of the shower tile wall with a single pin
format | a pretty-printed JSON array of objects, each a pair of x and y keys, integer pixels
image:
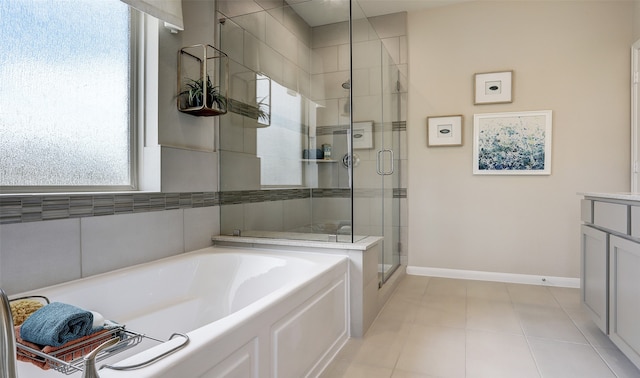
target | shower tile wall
[
  {"x": 277, "y": 43},
  {"x": 274, "y": 42},
  {"x": 266, "y": 216},
  {"x": 331, "y": 54},
  {"x": 330, "y": 68},
  {"x": 315, "y": 63}
]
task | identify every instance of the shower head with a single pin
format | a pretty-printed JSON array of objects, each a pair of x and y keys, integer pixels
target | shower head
[{"x": 347, "y": 84}]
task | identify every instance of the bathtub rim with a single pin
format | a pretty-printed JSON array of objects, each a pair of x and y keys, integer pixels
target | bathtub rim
[{"x": 214, "y": 249}]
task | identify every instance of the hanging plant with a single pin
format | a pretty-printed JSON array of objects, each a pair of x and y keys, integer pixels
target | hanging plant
[{"x": 195, "y": 92}]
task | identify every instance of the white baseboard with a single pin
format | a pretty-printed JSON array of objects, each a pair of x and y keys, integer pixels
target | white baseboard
[{"x": 494, "y": 276}]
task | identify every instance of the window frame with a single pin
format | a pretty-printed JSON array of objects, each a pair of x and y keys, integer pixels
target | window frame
[{"x": 137, "y": 42}]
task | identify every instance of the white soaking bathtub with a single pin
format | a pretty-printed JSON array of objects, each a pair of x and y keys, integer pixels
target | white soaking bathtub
[{"x": 248, "y": 312}]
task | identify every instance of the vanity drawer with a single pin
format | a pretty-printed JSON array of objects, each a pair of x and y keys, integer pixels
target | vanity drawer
[
  {"x": 612, "y": 216},
  {"x": 635, "y": 221},
  {"x": 586, "y": 211}
]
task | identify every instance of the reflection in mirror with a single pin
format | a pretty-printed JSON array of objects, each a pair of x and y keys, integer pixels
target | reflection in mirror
[{"x": 278, "y": 147}]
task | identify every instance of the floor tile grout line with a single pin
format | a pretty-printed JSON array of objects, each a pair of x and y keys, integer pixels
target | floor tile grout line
[
  {"x": 418, "y": 291},
  {"x": 524, "y": 334},
  {"x": 585, "y": 336},
  {"x": 411, "y": 322},
  {"x": 603, "y": 359},
  {"x": 404, "y": 339}
]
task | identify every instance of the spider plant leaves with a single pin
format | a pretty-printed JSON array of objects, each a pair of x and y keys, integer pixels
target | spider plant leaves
[{"x": 195, "y": 90}]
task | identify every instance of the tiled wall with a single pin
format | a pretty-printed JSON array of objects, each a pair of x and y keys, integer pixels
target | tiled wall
[
  {"x": 267, "y": 38},
  {"x": 53, "y": 238},
  {"x": 377, "y": 42},
  {"x": 37, "y": 254},
  {"x": 314, "y": 62}
]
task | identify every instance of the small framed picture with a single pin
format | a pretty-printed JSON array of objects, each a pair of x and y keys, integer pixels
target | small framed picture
[
  {"x": 493, "y": 87},
  {"x": 444, "y": 131}
]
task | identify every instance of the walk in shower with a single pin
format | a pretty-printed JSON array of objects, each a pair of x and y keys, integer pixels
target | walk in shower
[{"x": 326, "y": 164}]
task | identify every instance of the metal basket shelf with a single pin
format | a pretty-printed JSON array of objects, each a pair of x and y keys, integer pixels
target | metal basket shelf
[{"x": 70, "y": 359}]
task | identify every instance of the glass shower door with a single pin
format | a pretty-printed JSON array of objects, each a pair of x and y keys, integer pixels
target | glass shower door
[
  {"x": 388, "y": 158},
  {"x": 376, "y": 172}
]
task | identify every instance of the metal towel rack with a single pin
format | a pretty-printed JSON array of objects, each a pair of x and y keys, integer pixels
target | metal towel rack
[
  {"x": 82, "y": 356},
  {"x": 154, "y": 359},
  {"x": 69, "y": 360}
]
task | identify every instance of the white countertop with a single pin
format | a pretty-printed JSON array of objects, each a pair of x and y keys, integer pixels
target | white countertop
[{"x": 627, "y": 196}]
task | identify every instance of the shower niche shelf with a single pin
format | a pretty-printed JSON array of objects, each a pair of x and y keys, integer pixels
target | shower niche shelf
[{"x": 203, "y": 80}]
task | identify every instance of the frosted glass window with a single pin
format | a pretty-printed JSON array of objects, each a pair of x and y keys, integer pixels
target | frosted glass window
[
  {"x": 279, "y": 146},
  {"x": 65, "y": 94}
]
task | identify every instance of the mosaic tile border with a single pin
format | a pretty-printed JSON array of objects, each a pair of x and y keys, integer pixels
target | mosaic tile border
[
  {"x": 36, "y": 208},
  {"x": 399, "y": 125},
  {"x": 342, "y": 129},
  {"x": 255, "y": 196}
]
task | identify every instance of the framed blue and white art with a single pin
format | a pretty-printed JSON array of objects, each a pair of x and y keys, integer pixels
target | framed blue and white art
[{"x": 517, "y": 143}]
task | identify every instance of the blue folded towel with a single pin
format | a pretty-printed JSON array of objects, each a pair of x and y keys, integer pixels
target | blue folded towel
[{"x": 56, "y": 324}]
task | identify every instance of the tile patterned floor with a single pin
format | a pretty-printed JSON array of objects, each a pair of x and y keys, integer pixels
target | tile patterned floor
[{"x": 439, "y": 327}]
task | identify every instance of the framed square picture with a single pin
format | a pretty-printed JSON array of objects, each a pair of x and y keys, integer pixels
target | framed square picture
[
  {"x": 512, "y": 143},
  {"x": 493, "y": 87},
  {"x": 444, "y": 131}
]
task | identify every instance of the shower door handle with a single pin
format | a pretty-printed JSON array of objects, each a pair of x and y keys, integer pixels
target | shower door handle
[{"x": 380, "y": 163}]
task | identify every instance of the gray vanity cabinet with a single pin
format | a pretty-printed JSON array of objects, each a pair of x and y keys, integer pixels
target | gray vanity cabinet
[
  {"x": 594, "y": 278},
  {"x": 610, "y": 268},
  {"x": 624, "y": 296}
]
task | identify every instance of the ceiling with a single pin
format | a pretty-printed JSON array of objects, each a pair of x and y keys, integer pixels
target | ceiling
[
  {"x": 373, "y": 8},
  {"x": 323, "y": 12}
]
